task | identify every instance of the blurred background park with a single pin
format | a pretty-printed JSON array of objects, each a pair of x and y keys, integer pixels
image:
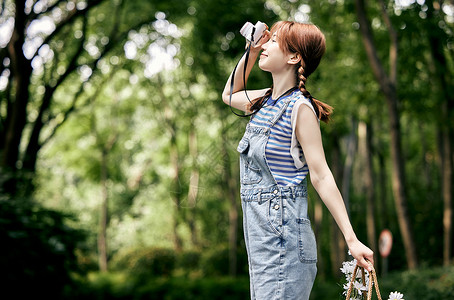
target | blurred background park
[{"x": 118, "y": 163}]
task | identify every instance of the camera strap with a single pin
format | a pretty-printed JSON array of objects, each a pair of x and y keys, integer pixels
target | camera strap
[{"x": 246, "y": 60}]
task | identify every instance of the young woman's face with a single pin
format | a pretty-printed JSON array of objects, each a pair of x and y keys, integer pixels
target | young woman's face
[{"x": 273, "y": 59}]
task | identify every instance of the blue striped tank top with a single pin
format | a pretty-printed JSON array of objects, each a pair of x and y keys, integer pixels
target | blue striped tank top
[{"x": 284, "y": 155}]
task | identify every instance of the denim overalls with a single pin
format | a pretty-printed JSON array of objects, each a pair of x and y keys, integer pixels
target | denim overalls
[{"x": 280, "y": 243}]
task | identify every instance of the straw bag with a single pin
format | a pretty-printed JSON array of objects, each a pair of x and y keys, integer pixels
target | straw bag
[{"x": 372, "y": 279}]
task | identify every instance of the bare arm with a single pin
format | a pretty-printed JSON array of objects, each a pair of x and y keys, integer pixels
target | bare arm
[
  {"x": 309, "y": 136},
  {"x": 239, "y": 98}
]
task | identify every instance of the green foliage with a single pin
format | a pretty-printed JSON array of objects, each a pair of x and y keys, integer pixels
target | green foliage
[
  {"x": 425, "y": 283},
  {"x": 147, "y": 262},
  {"x": 163, "y": 262},
  {"x": 219, "y": 288},
  {"x": 117, "y": 286},
  {"x": 188, "y": 262},
  {"x": 37, "y": 256},
  {"x": 215, "y": 261},
  {"x": 434, "y": 283}
]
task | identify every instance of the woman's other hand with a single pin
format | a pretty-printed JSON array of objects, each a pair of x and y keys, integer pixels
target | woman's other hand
[{"x": 362, "y": 254}]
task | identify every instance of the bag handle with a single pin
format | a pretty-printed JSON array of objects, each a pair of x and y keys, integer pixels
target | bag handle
[{"x": 372, "y": 279}]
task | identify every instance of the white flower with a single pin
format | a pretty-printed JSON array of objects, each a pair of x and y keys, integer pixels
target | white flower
[
  {"x": 396, "y": 296},
  {"x": 359, "y": 287},
  {"x": 348, "y": 267}
]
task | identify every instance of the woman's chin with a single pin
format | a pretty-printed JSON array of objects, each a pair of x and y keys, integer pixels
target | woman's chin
[{"x": 263, "y": 67}]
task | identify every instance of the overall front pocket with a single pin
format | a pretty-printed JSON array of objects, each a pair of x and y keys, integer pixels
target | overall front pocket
[
  {"x": 306, "y": 241},
  {"x": 250, "y": 173}
]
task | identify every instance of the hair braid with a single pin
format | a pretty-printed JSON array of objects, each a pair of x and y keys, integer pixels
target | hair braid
[
  {"x": 258, "y": 102},
  {"x": 322, "y": 110}
]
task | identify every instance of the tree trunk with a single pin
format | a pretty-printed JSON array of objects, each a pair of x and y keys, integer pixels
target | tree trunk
[
  {"x": 230, "y": 188},
  {"x": 345, "y": 188},
  {"x": 233, "y": 225},
  {"x": 388, "y": 87},
  {"x": 384, "y": 219},
  {"x": 176, "y": 191},
  {"x": 193, "y": 187},
  {"x": 104, "y": 207},
  {"x": 426, "y": 176},
  {"x": 447, "y": 196},
  {"x": 445, "y": 126},
  {"x": 337, "y": 241},
  {"x": 318, "y": 217},
  {"x": 14, "y": 124},
  {"x": 348, "y": 165},
  {"x": 365, "y": 141},
  {"x": 103, "y": 219},
  {"x": 382, "y": 203},
  {"x": 18, "y": 97},
  {"x": 34, "y": 145}
]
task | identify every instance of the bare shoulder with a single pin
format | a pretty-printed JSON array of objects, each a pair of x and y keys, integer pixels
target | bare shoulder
[{"x": 306, "y": 117}]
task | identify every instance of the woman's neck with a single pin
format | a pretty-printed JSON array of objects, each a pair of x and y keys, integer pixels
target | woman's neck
[{"x": 282, "y": 83}]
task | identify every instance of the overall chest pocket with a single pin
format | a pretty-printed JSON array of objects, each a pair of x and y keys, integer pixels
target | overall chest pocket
[{"x": 250, "y": 171}]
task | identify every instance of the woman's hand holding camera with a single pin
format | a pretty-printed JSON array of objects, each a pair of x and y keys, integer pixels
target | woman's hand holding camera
[
  {"x": 258, "y": 46},
  {"x": 256, "y": 35}
]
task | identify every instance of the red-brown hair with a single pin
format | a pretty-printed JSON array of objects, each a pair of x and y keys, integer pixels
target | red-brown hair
[{"x": 309, "y": 42}]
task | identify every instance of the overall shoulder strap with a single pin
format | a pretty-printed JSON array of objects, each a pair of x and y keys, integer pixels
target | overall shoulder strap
[{"x": 280, "y": 112}]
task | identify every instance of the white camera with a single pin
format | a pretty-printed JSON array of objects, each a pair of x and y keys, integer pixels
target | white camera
[{"x": 252, "y": 35}]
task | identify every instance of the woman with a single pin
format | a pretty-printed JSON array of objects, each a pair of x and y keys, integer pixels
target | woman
[{"x": 281, "y": 145}]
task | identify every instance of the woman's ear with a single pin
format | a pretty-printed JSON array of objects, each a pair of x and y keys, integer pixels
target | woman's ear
[{"x": 294, "y": 59}]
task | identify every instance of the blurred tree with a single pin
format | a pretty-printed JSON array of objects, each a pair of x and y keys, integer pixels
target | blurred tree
[
  {"x": 388, "y": 85},
  {"x": 54, "y": 50},
  {"x": 50, "y": 44},
  {"x": 17, "y": 56},
  {"x": 443, "y": 71}
]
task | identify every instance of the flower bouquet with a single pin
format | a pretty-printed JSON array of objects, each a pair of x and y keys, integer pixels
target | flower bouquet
[{"x": 358, "y": 285}]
